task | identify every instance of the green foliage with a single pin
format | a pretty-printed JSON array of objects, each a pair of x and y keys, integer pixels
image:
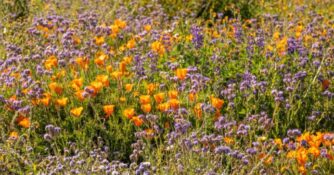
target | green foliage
[{"x": 14, "y": 9}]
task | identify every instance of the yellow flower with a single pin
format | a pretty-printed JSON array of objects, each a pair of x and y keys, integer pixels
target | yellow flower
[
  {"x": 159, "y": 97},
  {"x": 173, "y": 94},
  {"x": 23, "y": 121},
  {"x": 122, "y": 99},
  {"x": 131, "y": 44},
  {"x": 181, "y": 73},
  {"x": 79, "y": 95},
  {"x": 56, "y": 88},
  {"x": 146, "y": 108},
  {"x": 128, "y": 87},
  {"x": 13, "y": 135},
  {"x": 163, "y": 107},
  {"x": 147, "y": 28},
  {"x": 158, "y": 48},
  {"x": 198, "y": 110},
  {"x": 129, "y": 113},
  {"x": 144, "y": 99},
  {"x": 109, "y": 68},
  {"x": 137, "y": 121},
  {"x": 174, "y": 103},
  {"x": 217, "y": 103},
  {"x": 108, "y": 109},
  {"x": 301, "y": 156},
  {"x": 103, "y": 79},
  {"x": 97, "y": 86},
  {"x": 150, "y": 88},
  {"x": 82, "y": 62},
  {"x": 45, "y": 101},
  {"x": 122, "y": 67},
  {"x": 314, "y": 151},
  {"x": 189, "y": 37},
  {"x": 228, "y": 140},
  {"x": 77, "y": 83},
  {"x": 192, "y": 96},
  {"x": 99, "y": 40},
  {"x": 116, "y": 74},
  {"x": 50, "y": 62},
  {"x": 127, "y": 60},
  {"x": 76, "y": 112},
  {"x": 120, "y": 24},
  {"x": 276, "y": 35},
  {"x": 62, "y": 102}
]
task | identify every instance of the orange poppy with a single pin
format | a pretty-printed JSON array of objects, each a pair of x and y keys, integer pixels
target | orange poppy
[
  {"x": 144, "y": 99},
  {"x": 158, "y": 48},
  {"x": 147, "y": 28},
  {"x": 79, "y": 95},
  {"x": 181, "y": 73},
  {"x": 146, "y": 108},
  {"x": 62, "y": 101},
  {"x": 99, "y": 40},
  {"x": 56, "y": 88},
  {"x": 76, "y": 112},
  {"x": 14, "y": 135},
  {"x": 77, "y": 83},
  {"x": 163, "y": 107},
  {"x": 198, "y": 110},
  {"x": 108, "y": 109},
  {"x": 325, "y": 84},
  {"x": 23, "y": 121},
  {"x": 159, "y": 97},
  {"x": 50, "y": 62},
  {"x": 173, "y": 94},
  {"x": 128, "y": 87},
  {"x": 122, "y": 67},
  {"x": 103, "y": 79},
  {"x": 192, "y": 96},
  {"x": 217, "y": 103},
  {"x": 150, "y": 88},
  {"x": 174, "y": 103},
  {"x": 137, "y": 121},
  {"x": 129, "y": 113},
  {"x": 120, "y": 23},
  {"x": 131, "y": 44}
]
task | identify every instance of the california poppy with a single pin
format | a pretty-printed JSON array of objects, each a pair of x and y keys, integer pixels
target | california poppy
[
  {"x": 99, "y": 40},
  {"x": 128, "y": 87},
  {"x": 159, "y": 97},
  {"x": 131, "y": 44},
  {"x": 217, "y": 103},
  {"x": 56, "y": 88},
  {"x": 50, "y": 62},
  {"x": 174, "y": 103},
  {"x": 198, "y": 110},
  {"x": 173, "y": 94},
  {"x": 158, "y": 48},
  {"x": 129, "y": 113},
  {"x": 76, "y": 112},
  {"x": 325, "y": 84},
  {"x": 23, "y": 121},
  {"x": 181, "y": 73},
  {"x": 103, "y": 79},
  {"x": 137, "y": 121},
  {"x": 163, "y": 107},
  {"x": 144, "y": 99},
  {"x": 108, "y": 109},
  {"x": 146, "y": 108},
  {"x": 62, "y": 101},
  {"x": 13, "y": 135}
]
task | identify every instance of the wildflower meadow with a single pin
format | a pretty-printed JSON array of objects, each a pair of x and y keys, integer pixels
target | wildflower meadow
[{"x": 167, "y": 87}]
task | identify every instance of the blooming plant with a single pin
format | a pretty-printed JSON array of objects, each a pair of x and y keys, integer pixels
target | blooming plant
[{"x": 94, "y": 87}]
